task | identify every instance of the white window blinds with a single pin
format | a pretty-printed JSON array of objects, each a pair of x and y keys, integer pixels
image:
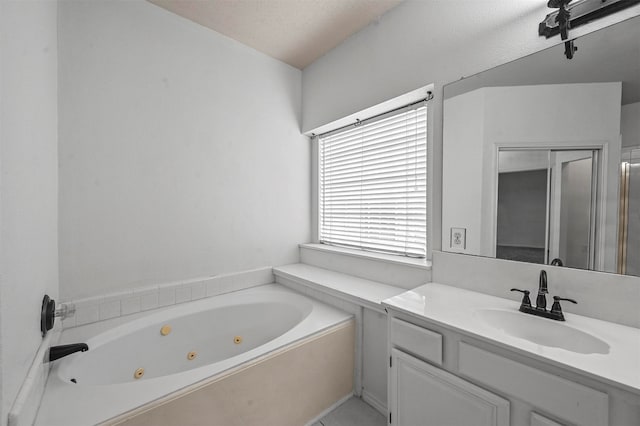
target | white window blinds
[{"x": 373, "y": 184}]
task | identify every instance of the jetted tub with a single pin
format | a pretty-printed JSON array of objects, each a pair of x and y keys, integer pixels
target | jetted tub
[{"x": 158, "y": 353}]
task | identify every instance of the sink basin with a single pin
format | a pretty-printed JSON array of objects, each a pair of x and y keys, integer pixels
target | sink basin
[{"x": 542, "y": 331}]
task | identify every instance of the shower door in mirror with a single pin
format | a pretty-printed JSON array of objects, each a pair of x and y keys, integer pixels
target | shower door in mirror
[
  {"x": 629, "y": 237},
  {"x": 546, "y": 206}
]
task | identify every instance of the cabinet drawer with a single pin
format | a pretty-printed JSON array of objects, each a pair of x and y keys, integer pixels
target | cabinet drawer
[
  {"x": 417, "y": 340},
  {"x": 559, "y": 397}
]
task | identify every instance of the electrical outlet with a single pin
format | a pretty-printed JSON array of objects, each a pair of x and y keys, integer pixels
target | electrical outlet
[{"x": 458, "y": 238}]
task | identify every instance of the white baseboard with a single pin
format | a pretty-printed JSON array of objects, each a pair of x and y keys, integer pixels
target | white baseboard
[
  {"x": 330, "y": 409},
  {"x": 374, "y": 402}
]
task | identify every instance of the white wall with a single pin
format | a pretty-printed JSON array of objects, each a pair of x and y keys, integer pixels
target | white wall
[
  {"x": 518, "y": 161},
  {"x": 180, "y": 151},
  {"x": 383, "y": 268},
  {"x": 421, "y": 42},
  {"x": 630, "y": 126},
  {"x": 29, "y": 184},
  {"x": 462, "y": 157}
]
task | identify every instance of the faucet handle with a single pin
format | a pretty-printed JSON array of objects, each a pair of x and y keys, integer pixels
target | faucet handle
[
  {"x": 65, "y": 310},
  {"x": 526, "y": 302},
  {"x": 558, "y": 298},
  {"x": 556, "y": 309}
]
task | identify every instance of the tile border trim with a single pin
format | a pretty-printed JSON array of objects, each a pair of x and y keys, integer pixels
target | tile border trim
[{"x": 113, "y": 305}]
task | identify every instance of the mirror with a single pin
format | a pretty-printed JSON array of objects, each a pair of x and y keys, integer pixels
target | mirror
[
  {"x": 541, "y": 157},
  {"x": 546, "y": 206}
]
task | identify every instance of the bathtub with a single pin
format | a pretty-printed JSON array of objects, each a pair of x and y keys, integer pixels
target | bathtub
[{"x": 133, "y": 362}]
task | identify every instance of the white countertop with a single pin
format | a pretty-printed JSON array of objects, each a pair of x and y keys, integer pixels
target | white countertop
[
  {"x": 361, "y": 291},
  {"x": 455, "y": 308}
]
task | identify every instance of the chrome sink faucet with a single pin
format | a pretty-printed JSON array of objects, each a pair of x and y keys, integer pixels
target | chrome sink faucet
[{"x": 541, "y": 301}]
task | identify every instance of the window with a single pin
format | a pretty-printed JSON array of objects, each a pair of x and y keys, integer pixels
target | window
[{"x": 373, "y": 184}]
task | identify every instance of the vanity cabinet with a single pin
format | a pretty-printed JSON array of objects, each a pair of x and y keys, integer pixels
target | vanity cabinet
[
  {"x": 564, "y": 398},
  {"x": 439, "y": 376},
  {"x": 422, "y": 394},
  {"x": 538, "y": 420}
]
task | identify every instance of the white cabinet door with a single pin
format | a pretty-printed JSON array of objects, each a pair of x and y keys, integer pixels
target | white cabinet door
[
  {"x": 424, "y": 395},
  {"x": 540, "y": 420}
]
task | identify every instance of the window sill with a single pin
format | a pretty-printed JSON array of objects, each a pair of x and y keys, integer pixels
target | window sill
[{"x": 379, "y": 257}]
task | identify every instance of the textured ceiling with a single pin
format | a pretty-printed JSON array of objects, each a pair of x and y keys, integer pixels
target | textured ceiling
[{"x": 294, "y": 31}]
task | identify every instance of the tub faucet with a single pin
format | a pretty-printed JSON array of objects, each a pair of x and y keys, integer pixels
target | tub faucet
[
  {"x": 57, "y": 352},
  {"x": 541, "y": 300},
  {"x": 49, "y": 312}
]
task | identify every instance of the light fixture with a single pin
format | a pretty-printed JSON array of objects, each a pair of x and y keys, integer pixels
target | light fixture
[{"x": 577, "y": 14}]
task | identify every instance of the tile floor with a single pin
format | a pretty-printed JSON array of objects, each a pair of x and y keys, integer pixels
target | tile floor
[{"x": 354, "y": 412}]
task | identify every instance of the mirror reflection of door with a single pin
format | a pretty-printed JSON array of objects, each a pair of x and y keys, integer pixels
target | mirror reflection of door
[
  {"x": 546, "y": 206},
  {"x": 522, "y": 205},
  {"x": 576, "y": 231},
  {"x": 633, "y": 229},
  {"x": 629, "y": 240}
]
